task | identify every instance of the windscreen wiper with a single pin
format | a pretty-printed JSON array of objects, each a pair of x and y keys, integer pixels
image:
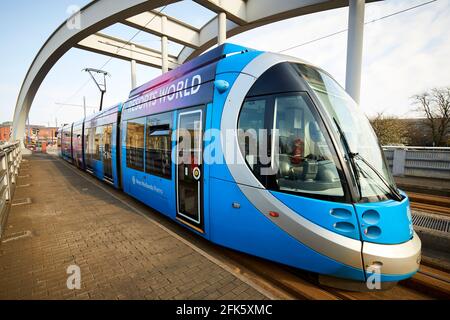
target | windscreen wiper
[
  {"x": 350, "y": 156},
  {"x": 394, "y": 191}
]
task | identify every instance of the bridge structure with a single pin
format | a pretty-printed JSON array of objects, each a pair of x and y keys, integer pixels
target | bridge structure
[
  {"x": 54, "y": 217},
  {"x": 83, "y": 31}
]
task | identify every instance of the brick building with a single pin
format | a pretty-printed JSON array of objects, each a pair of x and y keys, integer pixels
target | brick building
[
  {"x": 5, "y": 131},
  {"x": 34, "y": 134}
]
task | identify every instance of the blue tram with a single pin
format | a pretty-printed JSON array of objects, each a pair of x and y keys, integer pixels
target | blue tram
[{"x": 259, "y": 152}]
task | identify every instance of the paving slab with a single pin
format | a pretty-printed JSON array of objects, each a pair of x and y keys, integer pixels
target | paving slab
[{"x": 69, "y": 221}]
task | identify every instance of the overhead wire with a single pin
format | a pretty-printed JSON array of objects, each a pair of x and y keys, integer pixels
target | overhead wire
[{"x": 365, "y": 23}]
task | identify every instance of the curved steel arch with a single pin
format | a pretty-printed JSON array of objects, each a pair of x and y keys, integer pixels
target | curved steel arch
[
  {"x": 242, "y": 15},
  {"x": 94, "y": 17}
]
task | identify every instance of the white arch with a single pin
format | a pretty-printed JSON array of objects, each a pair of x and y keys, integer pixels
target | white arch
[
  {"x": 94, "y": 17},
  {"x": 242, "y": 15}
]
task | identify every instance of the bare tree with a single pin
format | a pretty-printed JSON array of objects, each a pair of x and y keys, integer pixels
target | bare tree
[
  {"x": 435, "y": 106},
  {"x": 390, "y": 130}
]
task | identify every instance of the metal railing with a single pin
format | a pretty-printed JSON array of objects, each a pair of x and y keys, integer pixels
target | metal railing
[
  {"x": 423, "y": 162},
  {"x": 10, "y": 159}
]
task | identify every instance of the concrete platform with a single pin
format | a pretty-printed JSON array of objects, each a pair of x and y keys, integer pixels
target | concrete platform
[{"x": 62, "y": 217}]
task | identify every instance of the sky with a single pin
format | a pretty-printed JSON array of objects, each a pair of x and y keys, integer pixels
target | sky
[{"x": 403, "y": 55}]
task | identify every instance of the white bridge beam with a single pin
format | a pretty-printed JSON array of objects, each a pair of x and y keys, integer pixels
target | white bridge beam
[
  {"x": 257, "y": 13},
  {"x": 236, "y": 10},
  {"x": 355, "y": 48},
  {"x": 121, "y": 49},
  {"x": 175, "y": 30}
]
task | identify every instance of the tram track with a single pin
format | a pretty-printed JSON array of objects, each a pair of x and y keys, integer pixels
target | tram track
[
  {"x": 427, "y": 283},
  {"x": 430, "y": 203},
  {"x": 431, "y": 281}
]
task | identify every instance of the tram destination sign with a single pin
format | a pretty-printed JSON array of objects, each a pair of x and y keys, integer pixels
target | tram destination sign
[{"x": 193, "y": 89}]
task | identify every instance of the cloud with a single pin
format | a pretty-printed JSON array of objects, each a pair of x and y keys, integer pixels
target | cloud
[{"x": 403, "y": 55}]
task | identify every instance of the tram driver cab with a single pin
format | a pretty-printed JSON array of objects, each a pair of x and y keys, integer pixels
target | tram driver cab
[{"x": 299, "y": 155}]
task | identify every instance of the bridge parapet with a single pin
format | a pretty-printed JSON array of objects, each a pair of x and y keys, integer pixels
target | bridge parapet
[
  {"x": 426, "y": 162},
  {"x": 10, "y": 159}
]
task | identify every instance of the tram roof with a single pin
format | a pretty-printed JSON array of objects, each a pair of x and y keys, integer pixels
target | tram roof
[{"x": 209, "y": 57}]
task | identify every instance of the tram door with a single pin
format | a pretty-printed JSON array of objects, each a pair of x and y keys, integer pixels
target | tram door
[
  {"x": 189, "y": 168},
  {"x": 107, "y": 152}
]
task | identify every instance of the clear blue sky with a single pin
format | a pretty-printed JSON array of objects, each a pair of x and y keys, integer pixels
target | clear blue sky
[{"x": 403, "y": 55}]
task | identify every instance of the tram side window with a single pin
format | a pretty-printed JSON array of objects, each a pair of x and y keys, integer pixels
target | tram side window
[
  {"x": 159, "y": 145},
  {"x": 252, "y": 131},
  {"x": 76, "y": 139},
  {"x": 66, "y": 143},
  {"x": 97, "y": 140},
  {"x": 87, "y": 145},
  {"x": 135, "y": 144}
]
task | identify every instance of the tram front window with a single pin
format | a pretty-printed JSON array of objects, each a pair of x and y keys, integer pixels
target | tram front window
[
  {"x": 357, "y": 131},
  {"x": 305, "y": 162},
  {"x": 298, "y": 159}
]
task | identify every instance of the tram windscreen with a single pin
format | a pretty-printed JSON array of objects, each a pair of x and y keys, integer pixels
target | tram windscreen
[
  {"x": 305, "y": 160},
  {"x": 299, "y": 158},
  {"x": 356, "y": 127}
]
